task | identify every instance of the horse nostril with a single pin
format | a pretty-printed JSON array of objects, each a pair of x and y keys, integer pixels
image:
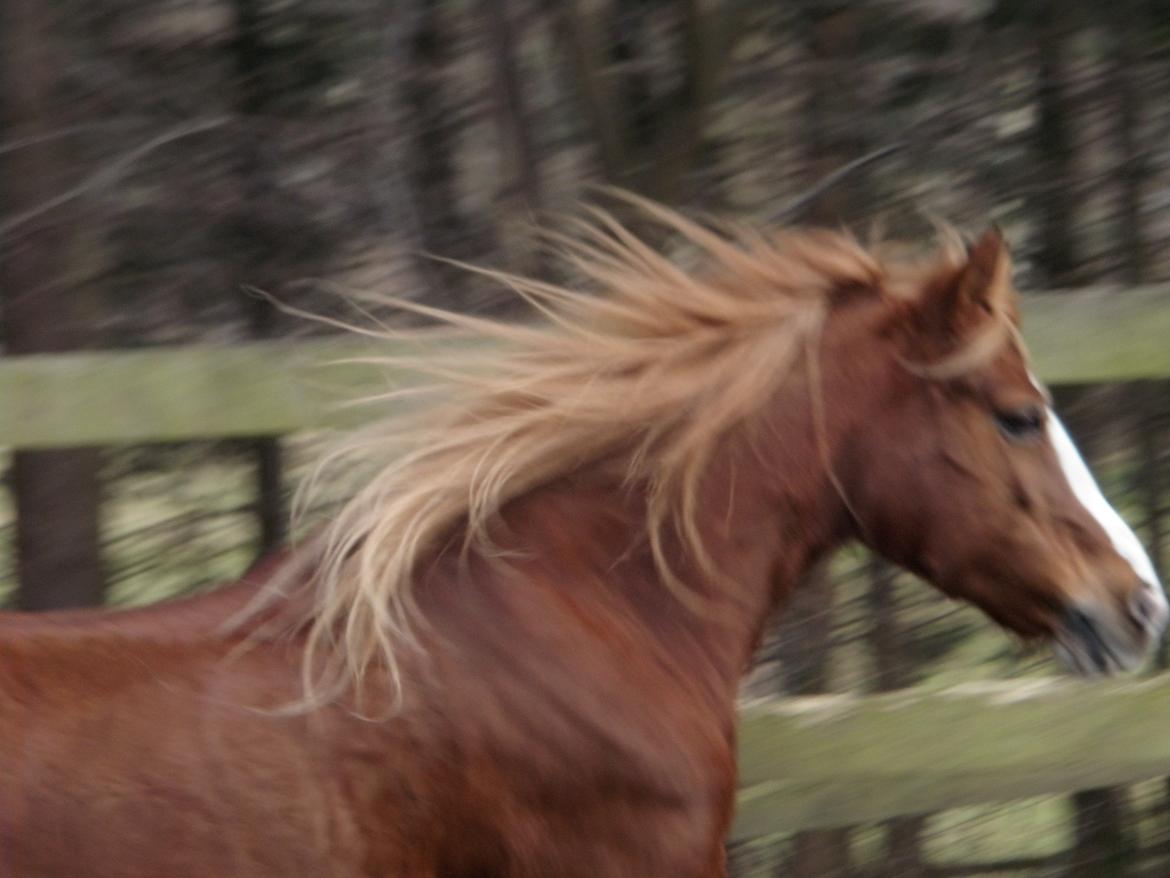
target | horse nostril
[{"x": 1146, "y": 609}]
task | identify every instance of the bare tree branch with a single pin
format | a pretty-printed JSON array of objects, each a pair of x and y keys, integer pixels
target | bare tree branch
[
  {"x": 108, "y": 174},
  {"x": 49, "y": 136},
  {"x": 796, "y": 209}
]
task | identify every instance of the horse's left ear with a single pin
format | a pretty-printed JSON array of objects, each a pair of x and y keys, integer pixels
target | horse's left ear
[
  {"x": 986, "y": 280},
  {"x": 965, "y": 295}
]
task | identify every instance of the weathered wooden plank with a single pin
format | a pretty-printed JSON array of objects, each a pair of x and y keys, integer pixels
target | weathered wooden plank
[
  {"x": 1099, "y": 335},
  {"x": 171, "y": 394},
  {"x": 842, "y": 760}
]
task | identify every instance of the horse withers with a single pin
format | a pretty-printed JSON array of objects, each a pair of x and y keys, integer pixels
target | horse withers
[{"x": 516, "y": 651}]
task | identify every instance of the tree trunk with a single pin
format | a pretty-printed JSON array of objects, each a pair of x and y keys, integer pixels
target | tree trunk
[
  {"x": 430, "y": 157},
  {"x": 1054, "y": 144},
  {"x": 885, "y": 640},
  {"x": 1123, "y": 76},
  {"x": 1102, "y": 847},
  {"x": 903, "y": 856},
  {"x": 829, "y": 33},
  {"x": 520, "y": 190},
  {"x": 804, "y": 637},
  {"x": 43, "y": 280},
  {"x": 254, "y": 96},
  {"x": 1099, "y": 812},
  {"x": 648, "y": 139},
  {"x": 804, "y": 647}
]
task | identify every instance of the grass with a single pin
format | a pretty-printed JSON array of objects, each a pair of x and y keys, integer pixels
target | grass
[{"x": 167, "y": 533}]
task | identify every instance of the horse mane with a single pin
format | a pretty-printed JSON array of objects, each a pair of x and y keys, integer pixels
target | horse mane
[{"x": 651, "y": 370}]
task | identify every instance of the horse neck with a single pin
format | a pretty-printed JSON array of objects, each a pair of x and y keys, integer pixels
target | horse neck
[
  {"x": 773, "y": 515},
  {"x": 763, "y": 526},
  {"x": 772, "y": 507}
]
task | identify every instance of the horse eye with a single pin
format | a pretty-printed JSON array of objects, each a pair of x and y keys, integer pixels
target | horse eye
[{"x": 1021, "y": 425}]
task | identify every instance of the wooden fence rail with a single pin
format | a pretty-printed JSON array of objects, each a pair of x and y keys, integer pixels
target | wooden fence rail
[
  {"x": 841, "y": 760},
  {"x": 173, "y": 394}
]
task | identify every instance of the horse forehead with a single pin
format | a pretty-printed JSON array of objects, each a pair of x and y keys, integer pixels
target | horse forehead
[
  {"x": 1005, "y": 378},
  {"x": 1012, "y": 361}
]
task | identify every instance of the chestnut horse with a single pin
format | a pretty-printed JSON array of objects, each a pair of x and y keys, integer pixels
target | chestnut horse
[{"x": 516, "y": 651}]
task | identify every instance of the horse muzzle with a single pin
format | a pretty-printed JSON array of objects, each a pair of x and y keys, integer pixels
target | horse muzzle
[{"x": 1096, "y": 640}]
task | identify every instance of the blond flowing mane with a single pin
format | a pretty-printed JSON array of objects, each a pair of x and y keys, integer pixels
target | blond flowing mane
[{"x": 652, "y": 368}]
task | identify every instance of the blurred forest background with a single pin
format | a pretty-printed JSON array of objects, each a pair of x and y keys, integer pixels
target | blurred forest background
[{"x": 159, "y": 158}]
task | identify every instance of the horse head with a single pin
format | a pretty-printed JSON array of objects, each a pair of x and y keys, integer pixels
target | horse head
[{"x": 954, "y": 465}]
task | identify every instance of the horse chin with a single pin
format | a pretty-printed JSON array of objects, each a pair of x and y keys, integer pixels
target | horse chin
[{"x": 1093, "y": 647}]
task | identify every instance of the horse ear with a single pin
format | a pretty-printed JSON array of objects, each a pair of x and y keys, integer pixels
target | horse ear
[
  {"x": 981, "y": 286},
  {"x": 987, "y": 276}
]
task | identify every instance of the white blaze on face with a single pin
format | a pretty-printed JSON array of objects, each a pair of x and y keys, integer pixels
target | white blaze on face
[{"x": 1084, "y": 486}]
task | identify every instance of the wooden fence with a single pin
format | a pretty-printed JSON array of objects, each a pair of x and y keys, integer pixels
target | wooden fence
[
  {"x": 806, "y": 763},
  {"x": 258, "y": 389},
  {"x": 840, "y": 760}
]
